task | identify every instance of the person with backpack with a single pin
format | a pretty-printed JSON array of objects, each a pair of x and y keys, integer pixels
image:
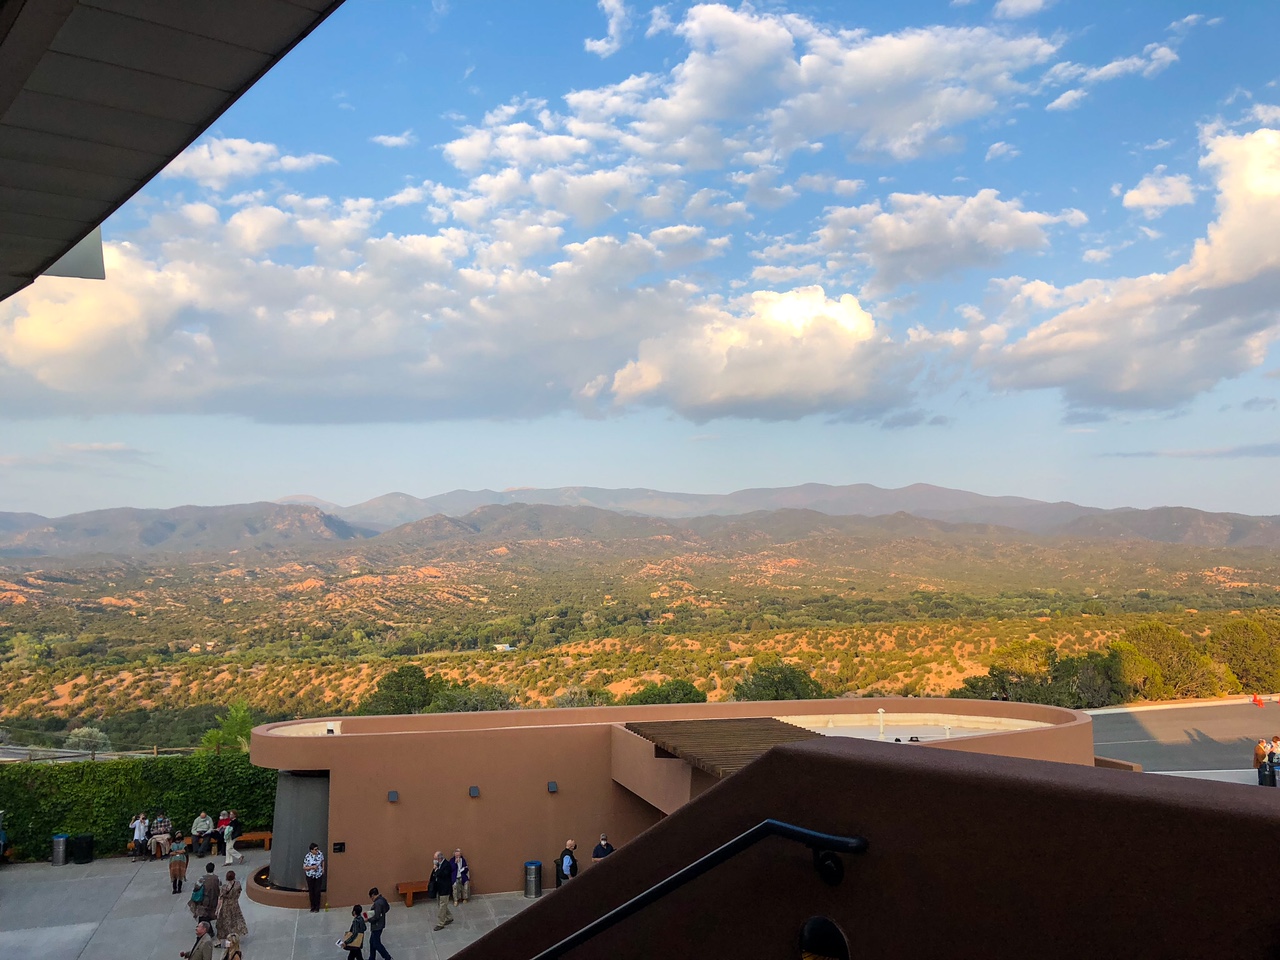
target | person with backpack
[
  {"x": 377, "y": 923},
  {"x": 204, "y": 898}
]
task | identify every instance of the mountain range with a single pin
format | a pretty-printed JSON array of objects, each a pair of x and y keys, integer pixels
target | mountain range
[{"x": 302, "y": 521}]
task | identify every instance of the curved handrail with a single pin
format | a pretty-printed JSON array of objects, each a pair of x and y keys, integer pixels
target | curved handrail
[{"x": 823, "y": 845}]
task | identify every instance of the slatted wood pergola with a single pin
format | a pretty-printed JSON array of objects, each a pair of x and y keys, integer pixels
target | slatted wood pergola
[{"x": 720, "y": 747}]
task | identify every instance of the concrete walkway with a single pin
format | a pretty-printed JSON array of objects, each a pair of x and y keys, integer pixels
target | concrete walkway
[{"x": 116, "y": 910}]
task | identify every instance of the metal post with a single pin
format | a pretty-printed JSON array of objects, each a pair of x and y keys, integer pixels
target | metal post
[{"x": 881, "y": 712}]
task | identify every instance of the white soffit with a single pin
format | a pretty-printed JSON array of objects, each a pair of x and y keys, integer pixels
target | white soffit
[{"x": 97, "y": 96}]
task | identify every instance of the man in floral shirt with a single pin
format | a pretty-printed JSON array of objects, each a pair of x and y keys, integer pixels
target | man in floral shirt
[{"x": 313, "y": 867}]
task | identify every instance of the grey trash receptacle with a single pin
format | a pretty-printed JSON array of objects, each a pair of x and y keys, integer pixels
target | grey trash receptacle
[
  {"x": 59, "y": 858},
  {"x": 532, "y": 879}
]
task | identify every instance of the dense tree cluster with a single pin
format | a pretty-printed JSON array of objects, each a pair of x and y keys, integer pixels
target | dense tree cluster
[{"x": 1151, "y": 661}]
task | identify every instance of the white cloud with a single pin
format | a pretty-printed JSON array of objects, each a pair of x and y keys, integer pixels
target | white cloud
[
  {"x": 1014, "y": 9},
  {"x": 659, "y": 22},
  {"x": 1154, "y": 59},
  {"x": 922, "y": 236},
  {"x": 1161, "y": 144},
  {"x": 826, "y": 183},
  {"x": 758, "y": 86},
  {"x": 616, "y": 13},
  {"x": 217, "y": 161},
  {"x": 1157, "y": 340},
  {"x": 1069, "y": 100},
  {"x": 1157, "y": 192},
  {"x": 405, "y": 139},
  {"x": 771, "y": 355},
  {"x": 1265, "y": 113},
  {"x": 1001, "y": 149}
]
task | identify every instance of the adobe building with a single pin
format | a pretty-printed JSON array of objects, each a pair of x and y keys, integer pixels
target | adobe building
[{"x": 381, "y": 794}]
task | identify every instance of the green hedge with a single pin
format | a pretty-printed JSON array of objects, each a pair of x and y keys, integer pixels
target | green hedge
[{"x": 101, "y": 797}]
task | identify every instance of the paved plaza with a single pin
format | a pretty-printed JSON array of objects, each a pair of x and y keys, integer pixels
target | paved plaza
[
  {"x": 1207, "y": 736},
  {"x": 116, "y": 910}
]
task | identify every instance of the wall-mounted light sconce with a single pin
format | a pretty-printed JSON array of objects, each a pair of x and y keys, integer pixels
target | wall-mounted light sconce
[
  {"x": 473, "y": 792},
  {"x": 339, "y": 848},
  {"x": 328, "y": 728},
  {"x": 393, "y": 796},
  {"x": 553, "y": 787}
]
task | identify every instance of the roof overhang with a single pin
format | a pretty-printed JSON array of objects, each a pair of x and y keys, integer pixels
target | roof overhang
[{"x": 97, "y": 96}]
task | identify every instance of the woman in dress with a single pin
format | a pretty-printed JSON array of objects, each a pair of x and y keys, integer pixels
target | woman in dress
[
  {"x": 178, "y": 862},
  {"x": 353, "y": 940},
  {"x": 230, "y": 920}
]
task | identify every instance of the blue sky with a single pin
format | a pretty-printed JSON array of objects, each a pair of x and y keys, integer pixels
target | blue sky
[{"x": 1020, "y": 247}]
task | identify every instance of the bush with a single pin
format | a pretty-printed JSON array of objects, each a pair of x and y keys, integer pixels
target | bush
[
  {"x": 672, "y": 691},
  {"x": 100, "y": 797},
  {"x": 777, "y": 681},
  {"x": 584, "y": 697}
]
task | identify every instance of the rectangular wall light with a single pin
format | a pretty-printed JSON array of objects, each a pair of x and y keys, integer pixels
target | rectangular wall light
[{"x": 473, "y": 792}]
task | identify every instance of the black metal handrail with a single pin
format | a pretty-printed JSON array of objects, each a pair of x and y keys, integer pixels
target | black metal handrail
[{"x": 825, "y": 847}]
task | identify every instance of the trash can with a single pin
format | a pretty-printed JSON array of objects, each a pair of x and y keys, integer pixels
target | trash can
[
  {"x": 80, "y": 848},
  {"x": 532, "y": 879},
  {"x": 59, "y": 858}
]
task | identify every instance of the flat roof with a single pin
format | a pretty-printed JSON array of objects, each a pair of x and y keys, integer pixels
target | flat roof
[
  {"x": 720, "y": 747},
  {"x": 97, "y": 96}
]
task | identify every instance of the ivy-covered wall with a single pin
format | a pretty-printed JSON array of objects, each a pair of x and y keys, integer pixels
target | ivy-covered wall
[{"x": 101, "y": 797}]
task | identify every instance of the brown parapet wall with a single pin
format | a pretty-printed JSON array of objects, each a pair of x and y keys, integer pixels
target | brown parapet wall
[{"x": 970, "y": 856}]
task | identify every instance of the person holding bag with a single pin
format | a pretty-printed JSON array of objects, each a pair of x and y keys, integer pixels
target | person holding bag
[{"x": 353, "y": 942}]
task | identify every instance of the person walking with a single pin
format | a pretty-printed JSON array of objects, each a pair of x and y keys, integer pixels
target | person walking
[
  {"x": 377, "y": 923},
  {"x": 219, "y": 837},
  {"x": 353, "y": 942},
  {"x": 442, "y": 887},
  {"x": 232, "y": 830},
  {"x": 461, "y": 877},
  {"x": 139, "y": 826},
  {"x": 201, "y": 834},
  {"x": 230, "y": 920},
  {"x": 1261, "y": 749},
  {"x": 567, "y": 863},
  {"x": 202, "y": 949},
  {"x": 602, "y": 850},
  {"x": 178, "y": 862},
  {"x": 313, "y": 870},
  {"x": 233, "y": 949},
  {"x": 204, "y": 897}
]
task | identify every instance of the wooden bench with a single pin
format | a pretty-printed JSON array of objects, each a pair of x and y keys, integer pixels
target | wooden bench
[
  {"x": 409, "y": 888},
  {"x": 256, "y": 836}
]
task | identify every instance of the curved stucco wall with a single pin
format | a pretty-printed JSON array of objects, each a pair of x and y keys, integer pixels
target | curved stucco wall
[{"x": 431, "y": 761}]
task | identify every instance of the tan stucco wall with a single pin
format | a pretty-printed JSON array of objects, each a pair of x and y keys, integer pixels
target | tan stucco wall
[{"x": 431, "y": 760}]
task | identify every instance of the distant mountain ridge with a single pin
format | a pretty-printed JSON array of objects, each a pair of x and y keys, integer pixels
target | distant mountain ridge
[
  {"x": 859, "y": 499},
  {"x": 398, "y": 521}
]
